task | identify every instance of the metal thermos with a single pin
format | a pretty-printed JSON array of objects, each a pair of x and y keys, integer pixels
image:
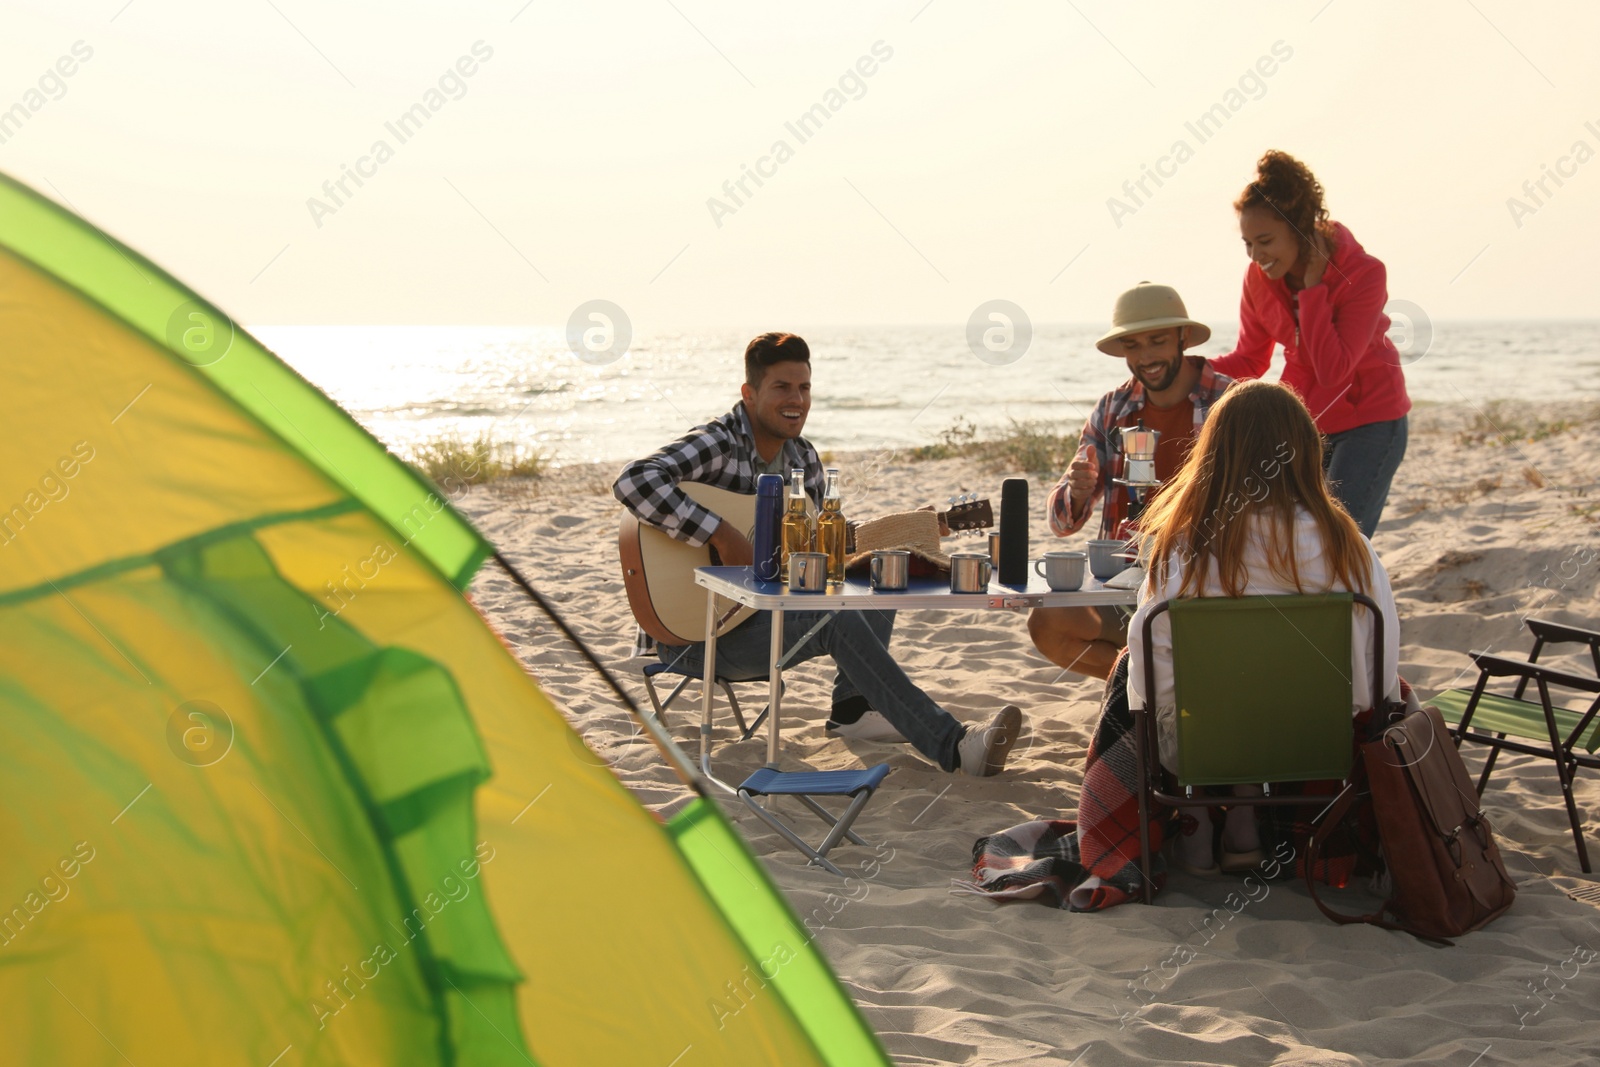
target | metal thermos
[
  {"x": 769, "y": 527},
  {"x": 1014, "y": 564}
]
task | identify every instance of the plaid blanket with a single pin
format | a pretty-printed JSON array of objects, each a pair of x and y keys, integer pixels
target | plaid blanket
[{"x": 1091, "y": 863}]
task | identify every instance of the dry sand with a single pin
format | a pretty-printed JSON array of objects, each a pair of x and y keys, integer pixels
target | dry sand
[{"x": 1476, "y": 537}]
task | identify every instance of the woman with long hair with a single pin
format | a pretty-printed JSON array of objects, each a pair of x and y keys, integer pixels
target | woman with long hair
[
  {"x": 1313, "y": 289},
  {"x": 1250, "y": 514}
]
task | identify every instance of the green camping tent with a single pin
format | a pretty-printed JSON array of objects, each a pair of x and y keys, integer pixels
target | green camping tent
[{"x": 273, "y": 791}]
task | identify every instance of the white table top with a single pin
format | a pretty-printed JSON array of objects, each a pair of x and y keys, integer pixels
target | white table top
[{"x": 739, "y": 585}]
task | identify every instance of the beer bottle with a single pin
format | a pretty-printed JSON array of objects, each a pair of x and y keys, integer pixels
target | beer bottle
[
  {"x": 831, "y": 529},
  {"x": 797, "y": 527}
]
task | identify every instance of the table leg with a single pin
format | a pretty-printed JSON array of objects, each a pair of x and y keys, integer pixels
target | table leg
[
  {"x": 774, "y": 688},
  {"x": 708, "y": 689}
]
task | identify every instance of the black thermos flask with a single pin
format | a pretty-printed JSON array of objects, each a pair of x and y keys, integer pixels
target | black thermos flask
[{"x": 1014, "y": 532}]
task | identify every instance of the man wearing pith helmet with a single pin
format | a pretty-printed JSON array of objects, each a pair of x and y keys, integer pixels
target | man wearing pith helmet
[{"x": 1168, "y": 392}]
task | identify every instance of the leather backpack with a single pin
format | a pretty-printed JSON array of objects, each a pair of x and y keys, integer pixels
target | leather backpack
[{"x": 1444, "y": 866}]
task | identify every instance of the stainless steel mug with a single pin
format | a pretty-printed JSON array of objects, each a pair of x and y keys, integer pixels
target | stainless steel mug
[
  {"x": 994, "y": 549},
  {"x": 890, "y": 569},
  {"x": 1062, "y": 571},
  {"x": 970, "y": 572},
  {"x": 808, "y": 572}
]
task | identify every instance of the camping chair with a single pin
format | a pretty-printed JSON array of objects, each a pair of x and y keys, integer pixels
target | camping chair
[
  {"x": 1556, "y": 733},
  {"x": 1262, "y": 692},
  {"x": 654, "y": 670}
]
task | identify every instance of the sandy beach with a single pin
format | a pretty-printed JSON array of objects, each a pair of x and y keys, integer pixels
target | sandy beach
[{"x": 1493, "y": 517}]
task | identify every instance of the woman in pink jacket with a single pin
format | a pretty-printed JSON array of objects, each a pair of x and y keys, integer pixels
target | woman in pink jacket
[{"x": 1312, "y": 289}]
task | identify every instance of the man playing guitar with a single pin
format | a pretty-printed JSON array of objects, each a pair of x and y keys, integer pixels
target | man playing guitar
[{"x": 872, "y": 697}]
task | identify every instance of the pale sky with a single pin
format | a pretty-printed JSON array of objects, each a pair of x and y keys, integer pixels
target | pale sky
[{"x": 976, "y": 161}]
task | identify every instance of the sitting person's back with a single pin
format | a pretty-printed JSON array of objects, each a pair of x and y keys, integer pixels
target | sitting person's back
[
  {"x": 1315, "y": 576},
  {"x": 1250, "y": 514}
]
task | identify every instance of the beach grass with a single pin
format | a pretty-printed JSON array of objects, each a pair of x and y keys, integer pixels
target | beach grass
[
  {"x": 1031, "y": 446},
  {"x": 453, "y": 461},
  {"x": 1501, "y": 423}
]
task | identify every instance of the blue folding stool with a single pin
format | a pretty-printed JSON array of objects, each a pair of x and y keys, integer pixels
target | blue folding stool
[{"x": 805, "y": 785}]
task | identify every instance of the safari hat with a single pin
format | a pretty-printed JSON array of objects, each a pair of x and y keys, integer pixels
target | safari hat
[
  {"x": 1148, "y": 306},
  {"x": 915, "y": 531}
]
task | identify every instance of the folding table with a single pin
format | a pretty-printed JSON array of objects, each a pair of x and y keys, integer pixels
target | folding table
[{"x": 739, "y": 584}]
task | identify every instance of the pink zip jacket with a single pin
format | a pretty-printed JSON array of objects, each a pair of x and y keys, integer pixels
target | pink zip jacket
[{"x": 1339, "y": 359}]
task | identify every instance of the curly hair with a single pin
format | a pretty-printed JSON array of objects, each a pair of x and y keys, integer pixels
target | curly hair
[{"x": 1287, "y": 185}]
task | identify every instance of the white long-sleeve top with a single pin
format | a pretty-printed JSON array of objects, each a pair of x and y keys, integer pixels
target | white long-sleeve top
[{"x": 1260, "y": 581}]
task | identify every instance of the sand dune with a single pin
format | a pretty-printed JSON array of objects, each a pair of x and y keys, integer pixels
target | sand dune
[{"x": 1477, "y": 536}]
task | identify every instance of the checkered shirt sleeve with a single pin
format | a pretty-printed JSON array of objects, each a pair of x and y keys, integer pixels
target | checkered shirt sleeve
[
  {"x": 1093, "y": 438},
  {"x": 649, "y": 487},
  {"x": 720, "y": 453}
]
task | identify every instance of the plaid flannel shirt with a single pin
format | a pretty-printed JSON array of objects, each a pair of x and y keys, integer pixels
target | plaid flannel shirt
[
  {"x": 1121, "y": 407},
  {"x": 721, "y": 453}
]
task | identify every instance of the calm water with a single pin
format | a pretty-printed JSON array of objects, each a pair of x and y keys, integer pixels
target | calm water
[{"x": 875, "y": 387}]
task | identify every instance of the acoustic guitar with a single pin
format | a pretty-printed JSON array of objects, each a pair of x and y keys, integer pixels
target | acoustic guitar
[{"x": 658, "y": 569}]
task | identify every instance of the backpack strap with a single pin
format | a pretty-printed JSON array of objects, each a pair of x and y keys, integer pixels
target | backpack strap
[{"x": 1330, "y": 821}]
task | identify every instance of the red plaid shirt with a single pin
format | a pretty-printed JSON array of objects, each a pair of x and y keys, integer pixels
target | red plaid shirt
[{"x": 1121, "y": 407}]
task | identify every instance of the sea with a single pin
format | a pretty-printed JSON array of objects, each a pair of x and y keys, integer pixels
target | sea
[{"x": 873, "y": 387}]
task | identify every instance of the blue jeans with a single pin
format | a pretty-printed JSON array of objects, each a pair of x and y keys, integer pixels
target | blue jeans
[
  {"x": 858, "y": 641},
  {"x": 1361, "y": 463}
]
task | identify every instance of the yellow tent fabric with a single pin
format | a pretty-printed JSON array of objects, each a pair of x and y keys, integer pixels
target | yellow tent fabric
[{"x": 271, "y": 791}]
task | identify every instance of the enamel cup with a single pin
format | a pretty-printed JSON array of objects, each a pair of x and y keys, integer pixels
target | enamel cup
[
  {"x": 1062, "y": 571},
  {"x": 1106, "y": 558}
]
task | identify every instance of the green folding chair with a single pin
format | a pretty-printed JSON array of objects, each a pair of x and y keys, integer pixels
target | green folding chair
[
  {"x": 1262, "y": 694},
  {"x": 1566, "y": 737}
]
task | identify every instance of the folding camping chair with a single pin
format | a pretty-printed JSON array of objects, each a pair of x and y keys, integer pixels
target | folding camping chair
[
  {"x": 1262, "y": 693},
  {"x": 652, "y": 671},
  {"x": 1556, "y": 732}
]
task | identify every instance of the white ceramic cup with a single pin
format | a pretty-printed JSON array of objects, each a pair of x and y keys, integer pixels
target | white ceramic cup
[
  {"x": 1105, "y": 558},
  {"x": 1062, "y": 571}
]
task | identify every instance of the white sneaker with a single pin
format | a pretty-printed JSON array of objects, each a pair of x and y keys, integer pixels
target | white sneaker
[
  {"x": 872, "y": 726},
  {"x": 983, "y": 751}
]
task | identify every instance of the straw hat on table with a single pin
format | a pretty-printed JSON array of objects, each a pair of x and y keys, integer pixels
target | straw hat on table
[{"x": 915, "y": 531}]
